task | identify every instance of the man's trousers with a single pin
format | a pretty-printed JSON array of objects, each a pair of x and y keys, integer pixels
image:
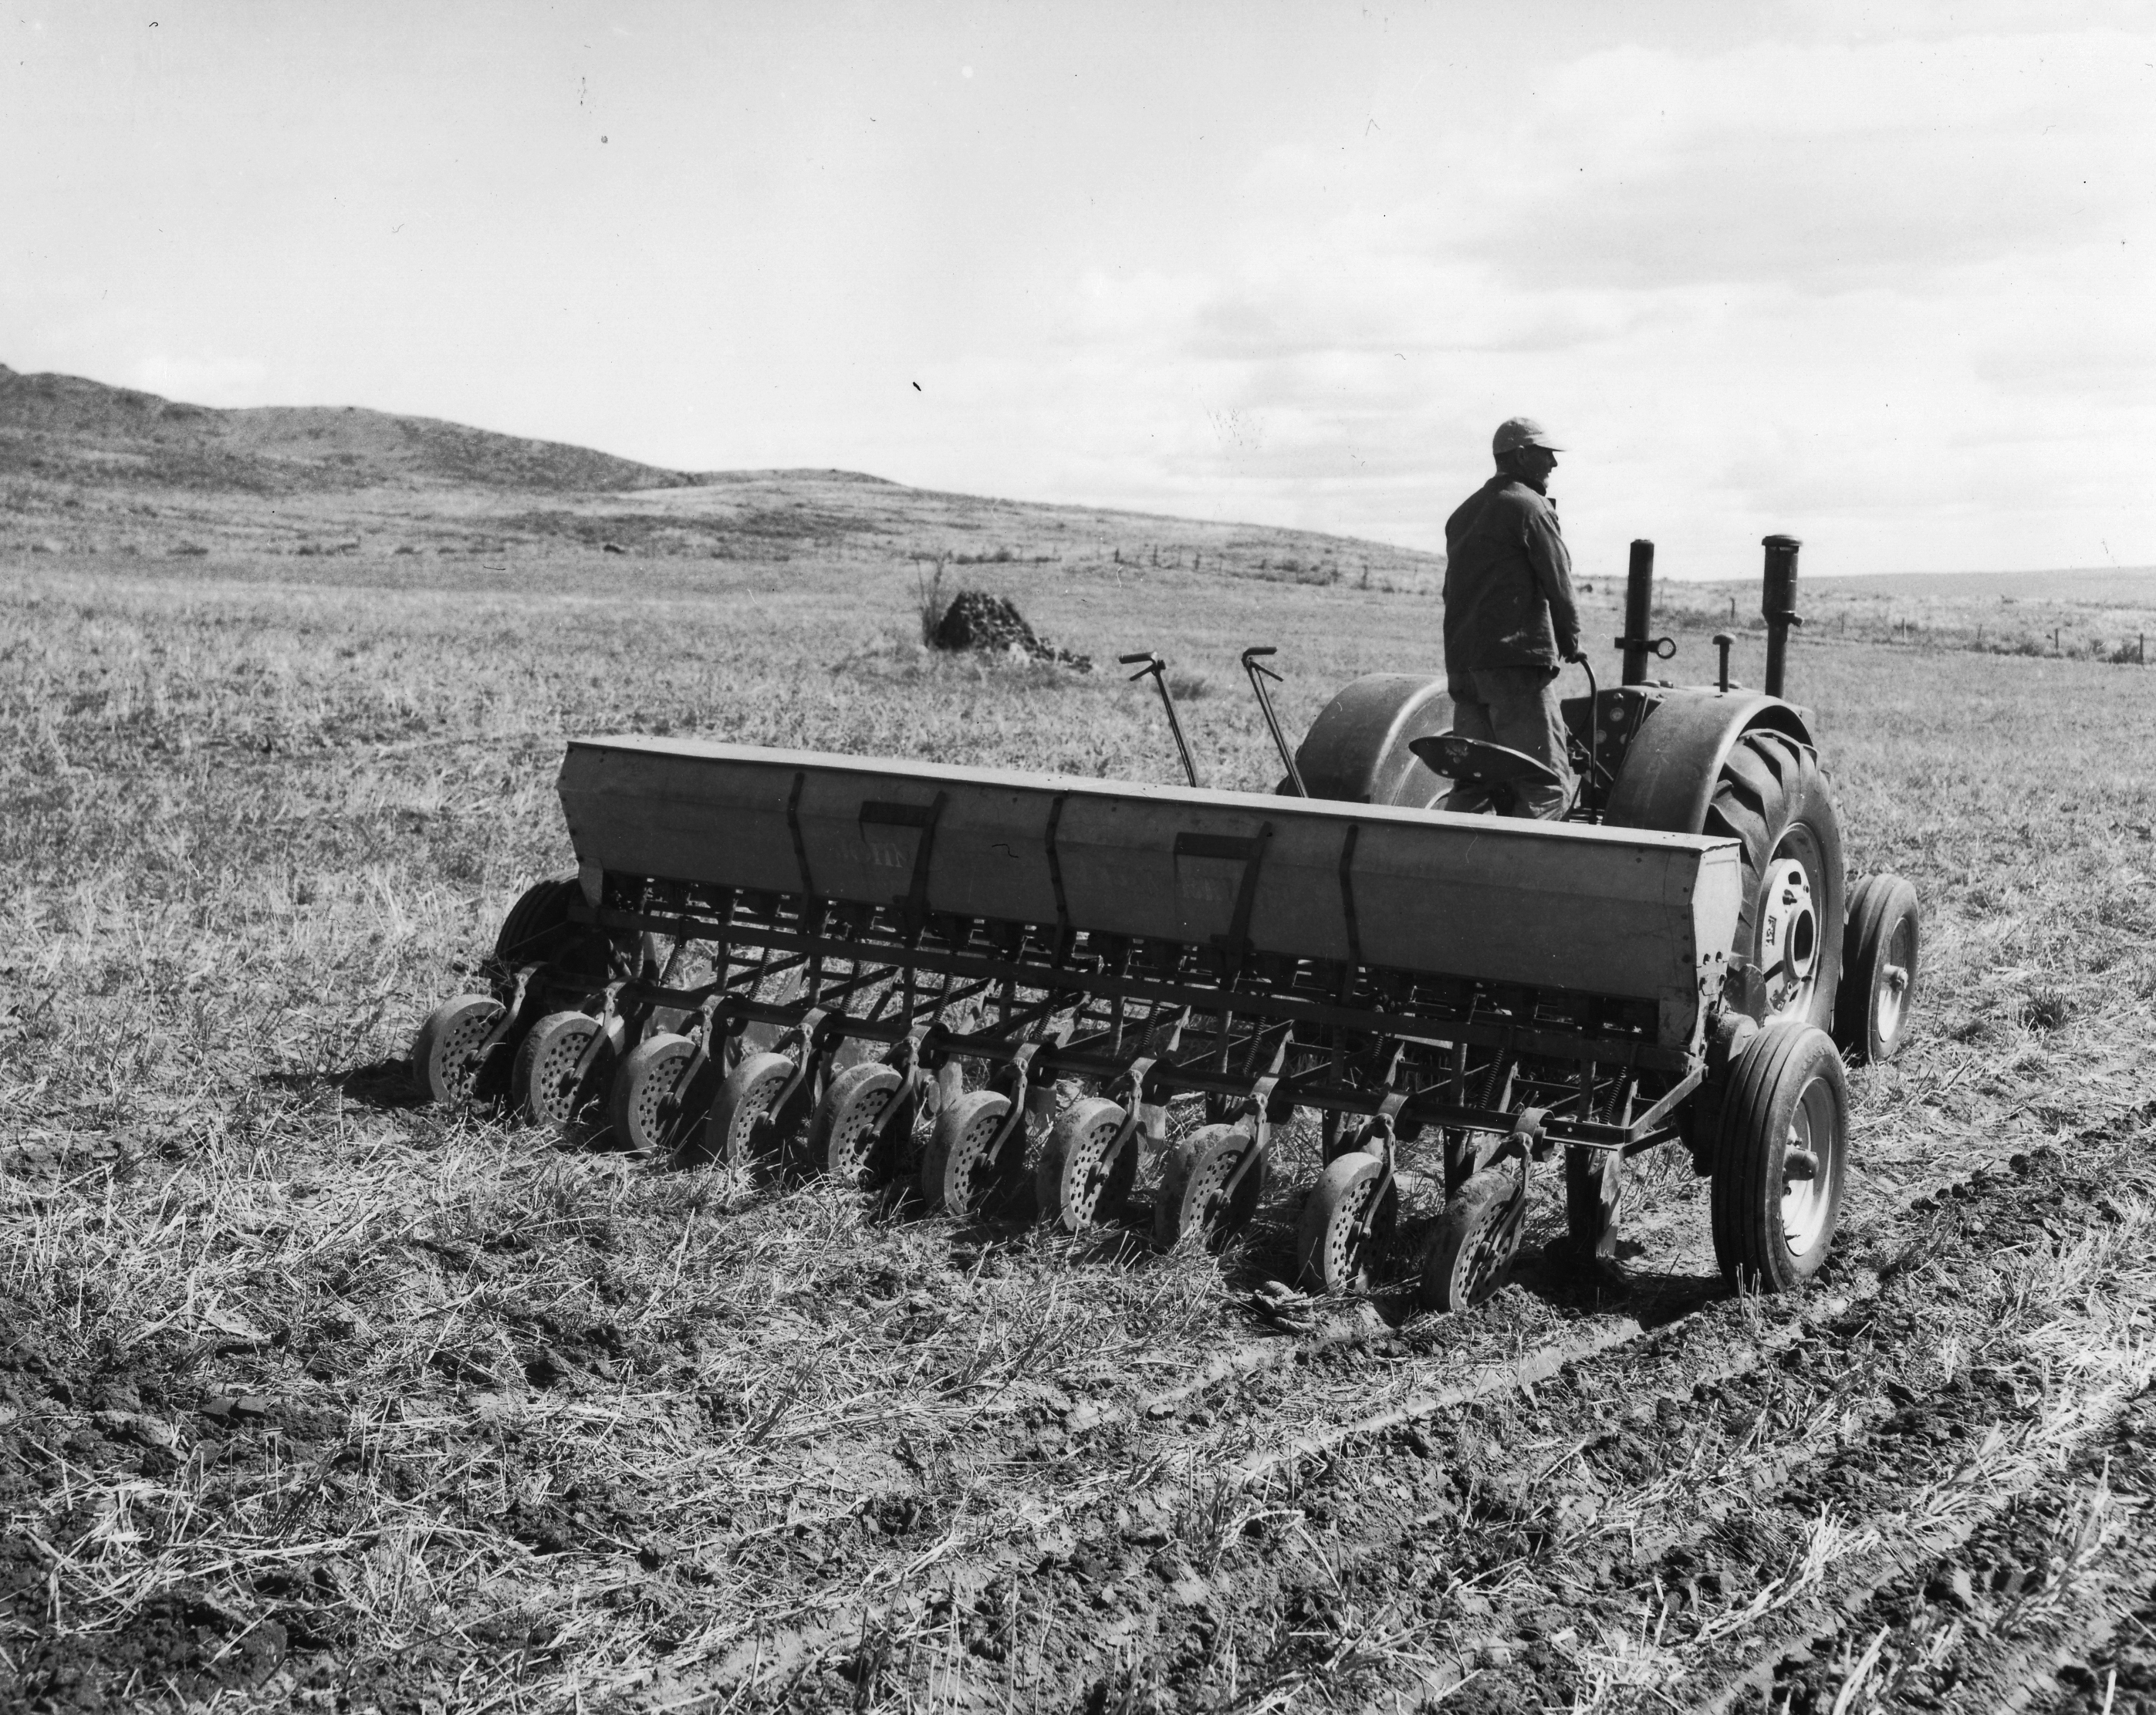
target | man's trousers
[{"x": 1515, "y": 707}]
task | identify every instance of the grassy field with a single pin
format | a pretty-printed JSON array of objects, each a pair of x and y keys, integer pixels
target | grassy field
[
  {"x": 2090, "y": 615},
  {"x": 313, "y": 1398}
]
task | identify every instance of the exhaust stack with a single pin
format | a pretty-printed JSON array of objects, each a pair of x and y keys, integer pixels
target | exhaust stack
[
  {"x": 1639, "y": 613},
  {"x": 1777, "y": 605}
]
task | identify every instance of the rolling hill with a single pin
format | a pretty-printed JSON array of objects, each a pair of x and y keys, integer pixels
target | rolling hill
[
  {"x": 90, "y": 469},
  {"x": 65, "y": 427}
]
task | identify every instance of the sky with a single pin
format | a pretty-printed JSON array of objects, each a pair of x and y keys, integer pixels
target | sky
[{"x": 1877, "y": 276}]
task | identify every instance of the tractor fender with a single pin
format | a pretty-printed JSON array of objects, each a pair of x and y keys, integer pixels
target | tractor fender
[
  {"x": 1668, "y": 775},
  {"x": 1357, "y": 750}
]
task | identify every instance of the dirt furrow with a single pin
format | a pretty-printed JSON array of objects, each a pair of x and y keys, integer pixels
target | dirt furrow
[
  {"x": 2020, "y": 1614},
  {"x": 2013, "y": 1491},
  {"x": 1670, "y": 1300},
  {"x": 1178, "y": 1583},
  {"x": 2113, "y": 1668},
  {"x": 1985, "y": 1610},
  {"x": 1200, "y": 1558},
  {"x": 1461, "y": 1572}
]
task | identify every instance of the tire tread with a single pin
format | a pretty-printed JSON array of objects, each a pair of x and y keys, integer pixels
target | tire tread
[
  {"x": 537, "y": 909},
  {"x": 1790, "y": 785},
  {"x": 1876, "y": 900},
  {"x": 1746, "y": 1252}
]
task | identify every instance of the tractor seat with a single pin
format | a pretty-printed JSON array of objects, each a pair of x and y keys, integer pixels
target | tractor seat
[{"x": 1476, "y": 762}]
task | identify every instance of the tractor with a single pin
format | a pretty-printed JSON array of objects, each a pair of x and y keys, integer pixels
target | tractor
[{"x": 989, "y": 988}]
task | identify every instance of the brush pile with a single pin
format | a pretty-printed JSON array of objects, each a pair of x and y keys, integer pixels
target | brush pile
[{"x": 975, "y": 619}]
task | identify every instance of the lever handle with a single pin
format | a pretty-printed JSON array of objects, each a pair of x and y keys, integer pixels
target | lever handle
[
  {"x": 1254, "y": 665},
  {"x": 1156, "y": 669},
  {"x": 1723, "y": 641}
]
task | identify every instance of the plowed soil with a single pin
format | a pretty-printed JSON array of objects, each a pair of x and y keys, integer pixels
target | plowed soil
[{"x": 312, "y": 1397}]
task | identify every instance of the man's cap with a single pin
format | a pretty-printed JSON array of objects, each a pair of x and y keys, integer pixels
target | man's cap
[{"x": 1515, "y": 432}]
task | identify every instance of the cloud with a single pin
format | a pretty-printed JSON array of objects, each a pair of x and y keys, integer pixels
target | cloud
[
  {"x": 1878, "y": 277},
  {"x": 1828, "y": 167},
  {"x": 1890, "y": 294}
]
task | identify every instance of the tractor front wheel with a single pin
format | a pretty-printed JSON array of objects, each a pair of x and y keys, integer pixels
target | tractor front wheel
[
  {"x": 1879, "y": 967},
  {"x": 538, "y": 931},
  {"x": 1781, "y": 1159},
  {"x": 537, "y": 924}
]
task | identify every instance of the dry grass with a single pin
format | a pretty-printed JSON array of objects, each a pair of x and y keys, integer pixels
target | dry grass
[
  {"x": 2084, "y": 616},
  {"x": 525, "y": 1427}
]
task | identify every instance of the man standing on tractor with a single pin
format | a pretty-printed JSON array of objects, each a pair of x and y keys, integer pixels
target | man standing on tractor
[{"x": 1509, "y": 620}]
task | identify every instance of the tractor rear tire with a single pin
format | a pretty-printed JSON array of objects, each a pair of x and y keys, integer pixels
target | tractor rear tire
[
  {"x": 532, "y": 932},
  {"x": 1879, "y": 951},
  {"x": 1773, "y": 799},
  {"x": 1781, "y": 1160}
]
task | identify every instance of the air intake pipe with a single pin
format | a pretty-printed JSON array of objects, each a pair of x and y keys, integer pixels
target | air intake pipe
[{"x": 1777, "y": 605}]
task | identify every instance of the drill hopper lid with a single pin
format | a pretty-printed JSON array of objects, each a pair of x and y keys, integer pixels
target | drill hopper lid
[{"x": 1616, "y": 912}]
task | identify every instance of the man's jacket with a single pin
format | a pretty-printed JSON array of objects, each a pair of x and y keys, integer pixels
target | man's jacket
[{"x": 1507, "y": 581}]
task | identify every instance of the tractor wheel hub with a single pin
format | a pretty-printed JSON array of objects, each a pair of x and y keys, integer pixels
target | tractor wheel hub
[{"x": 1789, "y": 935}]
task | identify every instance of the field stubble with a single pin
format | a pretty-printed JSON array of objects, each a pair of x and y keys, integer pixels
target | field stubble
[{"x": 317, "y": 1398}]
